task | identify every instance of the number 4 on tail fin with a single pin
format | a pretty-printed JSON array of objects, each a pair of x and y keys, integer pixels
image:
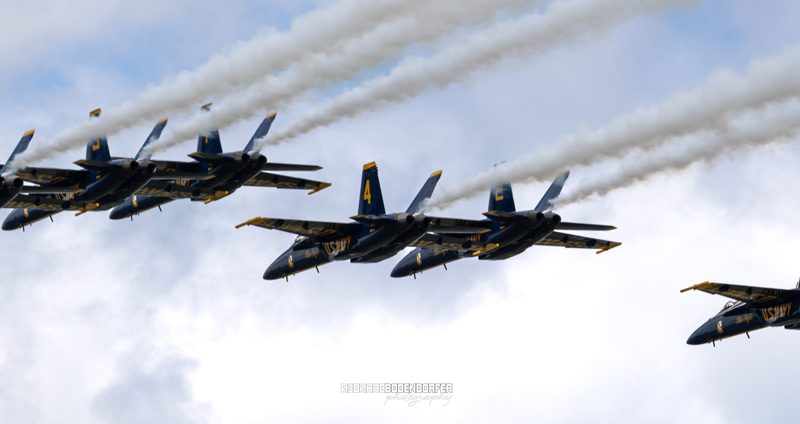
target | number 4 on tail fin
[{"x": 370, "y": 200}]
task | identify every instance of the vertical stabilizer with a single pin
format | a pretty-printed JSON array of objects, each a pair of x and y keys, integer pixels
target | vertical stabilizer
[
  {"x": 97, "y": 149},
  {"x": 261, "y": 131},
  {"x": 425, "y": 192},
  {"x": 209, "y": 143},
  {"x": 152, "y": 138},
  {"x": 501, "y": 198},
  {"x": 21, "y": 146},
  {"x": 552, "y": 193},
  {"x": 370, "y": 198}
]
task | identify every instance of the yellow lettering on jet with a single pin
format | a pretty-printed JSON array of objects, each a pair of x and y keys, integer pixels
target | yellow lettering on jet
[
  {"x": 776, "y": 312},
  {"x": 367, "y": 193},
  {"x": 96, "y": 145}
]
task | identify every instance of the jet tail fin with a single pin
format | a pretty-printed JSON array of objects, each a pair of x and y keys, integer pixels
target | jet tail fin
[
  {"x": 261, "y": 131},
  {"x": 210, "y": 142},
  {"x": 425, "y": 192},
  {"x": 97, "y": 149},
  {"x": 552, "y": 193},
  {"x": 370, "y": 199},
  {"x": 501, "y": 198},
  {"x": 21, "y": 146},
  {"x": 152, "y": 138}
]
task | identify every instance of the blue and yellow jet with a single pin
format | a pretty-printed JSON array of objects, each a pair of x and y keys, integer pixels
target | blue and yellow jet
[
  {"x": 752, "y": 308},
  {"x": 373, "y": 235},
  {"x": 13, "y": 191},
  {"x": 220, "y": 173},
  {"x": 511, "y": 233}
]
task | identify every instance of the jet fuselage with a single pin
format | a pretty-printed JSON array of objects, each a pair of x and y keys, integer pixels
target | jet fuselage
[{"x": 743, "y": 318}]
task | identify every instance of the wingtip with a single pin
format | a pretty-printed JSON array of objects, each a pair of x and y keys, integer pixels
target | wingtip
[
  {"x": 436, "y": 173},
  {"x": 163, "y": 120},
  {"x": 696, "y": 286},
  {"x": 248, "y": 222},
  {"x": 319, "y": 188},
  {"x": 272, "y": 114},
  {"x": 610, "y": 246},
  {"x": 96, "y": 113},
  {"x": 29, "y": 132},
  {"x": 206, "y": 107},
  {"x": 370, "y": 165}
]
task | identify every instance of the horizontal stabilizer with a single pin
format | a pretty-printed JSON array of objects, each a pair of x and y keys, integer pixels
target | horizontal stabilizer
[
  {"x": 96, "y": 165},
  {"x": 503, "y": 215},
  {"x": 374, "y": 219},
  {"x": 275, "y": 166},
  {"x": 584, "y": 227},
  {"x": 208, "y": 157}
]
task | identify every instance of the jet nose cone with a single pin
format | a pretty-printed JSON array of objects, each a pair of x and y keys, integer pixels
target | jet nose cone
[
  {"x": 118, "y": 213},
  {"x": 700, "y": 336},
  {"x": 397, "y": 272},
  {"x": 275, "y": 271},
  {"x": 12, "y": 220},
  {"x": 272, "y": 274},
  {"x": 402, "y": 269}
]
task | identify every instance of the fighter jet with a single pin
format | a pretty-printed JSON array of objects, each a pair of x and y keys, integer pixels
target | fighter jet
[
  {"x": 752, "y": 308},
  {"x": 223, "y": 174},
  {"x": 372, "y": 237},
  {"x": 512, "y": 232},
  {"x": 12, "y": 187},
  {"x": 104, "y": 182}
]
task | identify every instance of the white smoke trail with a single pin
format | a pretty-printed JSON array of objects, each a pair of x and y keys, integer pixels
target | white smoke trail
[
  {"x": 535, "y": 32},
  {"x": 707, "y": 107},
  {"x": 431, "y": 22},
  {"x": 773, "y": 124},
  {"x": 244, "y": 64}
]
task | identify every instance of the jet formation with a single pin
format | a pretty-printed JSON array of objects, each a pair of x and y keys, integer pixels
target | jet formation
[
  {"x": 130, "y": 186},
  {"x": 373, "y": 235}
]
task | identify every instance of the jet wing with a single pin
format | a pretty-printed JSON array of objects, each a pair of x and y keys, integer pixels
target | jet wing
[
  {"x": 314, "y": 229},
  {"x": 164, "y": 188},
  {"x": 167, "y": 170},
  {"x": 447, "y": 242},
  {"x": 577, "y": 242},
  {"x": 25, "y": 201},
  {"x": 458, "y": 226},
  {"x": 266, "y": 179},
  {"x": 748, "y": 294},
  {"x": 54, "y": 176},
  {"x": 48, "y": 189}
]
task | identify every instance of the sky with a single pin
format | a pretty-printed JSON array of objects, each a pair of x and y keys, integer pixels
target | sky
[{"x": 166, "y": 318}]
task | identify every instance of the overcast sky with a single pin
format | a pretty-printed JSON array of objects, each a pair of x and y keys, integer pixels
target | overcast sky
[{"x": 167, "y": 319}]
